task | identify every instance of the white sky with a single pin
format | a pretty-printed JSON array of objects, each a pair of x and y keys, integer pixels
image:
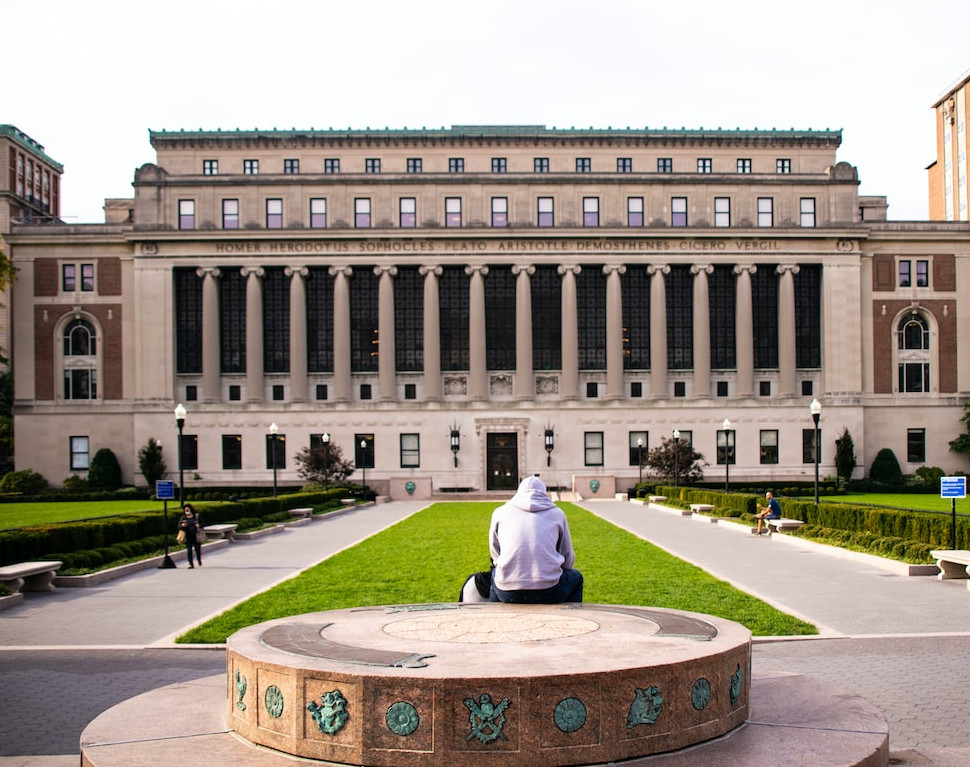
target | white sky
[{"x": 89, "y": 79}]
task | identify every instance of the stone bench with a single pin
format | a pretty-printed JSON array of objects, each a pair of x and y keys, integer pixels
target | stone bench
[
  {"x": 305, "y": 512},
  {"x": 29, "y": 576},
  {"x": 657, "y": 498},
  {"x": 220, "y": 531},
  {"x": 952, "y": 564},
  {"x": 700, "y": 508},
  {"x": 782, "y": 524}
]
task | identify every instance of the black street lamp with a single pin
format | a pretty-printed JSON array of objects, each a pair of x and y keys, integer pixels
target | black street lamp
[
  {"x": 325, "y": 439},
  {"x": 640, "y": 457},
  {"x": 363, "y": 463},
  {"x": 816, "y": 410},
  {"x": 549, "y": 439},
  {"x": 676, "y": 458},
  {"x": 273, "y": 431},
  {"x": 727, "y": 454},
  {"x": 180, "y": 413},
  {"x": 455, "y": 443}
]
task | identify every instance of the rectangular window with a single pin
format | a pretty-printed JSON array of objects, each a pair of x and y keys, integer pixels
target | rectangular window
[
  {"x": 410, "y": 451},
  {"x": 782, "y": 166},
  {"x": 722, "y": 211},
  {"x": 68, "y": 277},
  {"x": 540, "y": 165},
  {"x": 191, "y": 393},
  {"x": 87, "y": 278},
  {"x": 624, "y": 165},
  {"x": 230, "y": 214},
  {"x": 744, "y": 165},
  {"x": 456, "y": 164},
  {"x": 80, "y": 453},
  {"x": 81, "y": 383},
  {"x": 231, "y": 451},
  {"x": 639, "y": 447},
  {"x": 905, "y": 274},
  {"x": 372, "y": 165},
  {"x": 922, "y": 274},
  {"x": 769, "y": 446},
  {"x": 807, "y": 211},
  {"x": 279, "y": 392},
  {"x": 500, "y": 211},
  {"x": 591, "y": 211},
  {"x": 235, "y": 392},
  {"x": 276, "y": 451},
  {"x": 364, "y": 451},
  {"x": 680, "y": 389},
  {"x": 320, "y": 392},
  {"x": 634, "y": 211},
  {"x": 914, "y": 377},
  {"x": 331, "y": 165},
  {"x": 592, "y": 389},
  {"x": 186, "y": 214},
  {"x": 210, "y": 167},
  {"x": 546, "y": 211},
  {"x": 366, "y": 392},
  {"x": 414, "y": 164},
  {"x": 766, "y": 211},
  {"x": 916, "y": 445},
  {"x": 274, "y": 214},
  {"x": 593, "y": 448},
  {"x": 665, "y": 165},
  {"x": 764, "y": 388},
  {"x": 678, "y": 211},
  {"x": 722, "y": 388},
  {"x": 704, "y": 164},
  {"x": 808, "y": 388},
  {"x": 408, "y": 213},
  {"x": 499, "y": 165},
  {"x": 318, "y": 213},
  {"x": 636, "y": 389},
  {"x": 452, "y": 212},
  {"x": 808, "y": 445},
  {"x": 291, "y": 167},
  {"x": 250, "y": 167},
  {"x": 410, "y": 391},
  {"x": 583, "y": 165},
  {"x": 362, "y": 213},
  {"x": 190, "y": 451}
]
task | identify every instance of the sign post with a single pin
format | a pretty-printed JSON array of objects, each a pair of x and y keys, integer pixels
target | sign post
[
  {"x": 953, "y": 488},
  {"x": 165, "y": 492}
]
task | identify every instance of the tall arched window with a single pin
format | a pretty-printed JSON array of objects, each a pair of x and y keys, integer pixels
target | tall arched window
[
  {"x": 913, "y": 349},
  {"x": 80, "y": 360}
]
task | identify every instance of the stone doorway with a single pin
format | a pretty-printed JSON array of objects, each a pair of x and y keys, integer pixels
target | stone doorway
[{"x": 502, "y": 461}]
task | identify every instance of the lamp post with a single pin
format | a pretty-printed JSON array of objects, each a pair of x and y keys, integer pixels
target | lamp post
[
  {"x": 455, "y": 443},
  {"x": 727, "y": 454},
  {"x": 180, "y": 413},
  {"x": 549, "y": 440},
  {"x": 816, "y": 410},
  {"x": 273, "y": 431},
  {"x": 325, "y": 439},
  {"x": 363, "y": 463},
  {"x": 676, "y": 458},
  {"x": 640, "y": 457}
]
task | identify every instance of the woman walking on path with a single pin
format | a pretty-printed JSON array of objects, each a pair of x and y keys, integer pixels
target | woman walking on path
[{"x": 191, "y": 526}]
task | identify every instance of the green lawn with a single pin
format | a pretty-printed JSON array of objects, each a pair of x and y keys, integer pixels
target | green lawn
[
  {"x": 426, "y": 557},
  {"x": 923, "y": 501},
  {"x": 49, "y": 513}
]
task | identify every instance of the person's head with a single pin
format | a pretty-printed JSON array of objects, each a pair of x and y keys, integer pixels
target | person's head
[
  {"x": 188, "y": 510},
  {"x": 768, "y": 496}
]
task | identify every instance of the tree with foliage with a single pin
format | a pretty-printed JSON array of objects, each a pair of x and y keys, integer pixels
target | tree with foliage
[
  {"x": 676, "y": 461},
  {"x": 845, "y": 460},
  {"x": 23, "y": 482},
  {"x": 886, "y": 469},
  {"x": 104, "y": 473},
  {"x": 151, "y": 463},
  {"x": 323, "y": 464},
  {"x": 962, "y": 443}
]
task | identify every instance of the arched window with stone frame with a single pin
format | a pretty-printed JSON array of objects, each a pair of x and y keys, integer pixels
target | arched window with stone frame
[
  {"x": 79, "y": 359},
  {"x": 913, "y": 353}
]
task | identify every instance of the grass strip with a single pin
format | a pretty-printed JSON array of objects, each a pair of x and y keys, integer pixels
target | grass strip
[{"x": 426, "y": 558}]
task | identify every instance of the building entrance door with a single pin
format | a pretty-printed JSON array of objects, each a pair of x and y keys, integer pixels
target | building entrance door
[{"x": 502, "y": 460}]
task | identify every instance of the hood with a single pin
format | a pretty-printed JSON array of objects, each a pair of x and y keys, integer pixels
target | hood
[{"x": 531, "y": 496}]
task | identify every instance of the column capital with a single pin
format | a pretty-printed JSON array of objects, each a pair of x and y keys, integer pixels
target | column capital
[
  {"x": 427, "y": 269},
  {"x": 611, "y": 268},
  {"x": 569, "y": 269},
  {"x": 749, "y": 268},
  {"x": 793, "y": 268},
  {"x": 252, "y": 271},
  {"x": 385, "y": 269},
  {"x": 290, "y": 271},
  {"x": 473, "y": 268},
  {"x": 662, "y": 268},
  {"x": 212, "y": 271},
  {"x": 698, "y": 268},
  {"x": 346, "y": 271},
  {"x": 523, "y": 268}
]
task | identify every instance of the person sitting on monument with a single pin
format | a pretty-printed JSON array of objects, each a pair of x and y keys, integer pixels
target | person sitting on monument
[
  {"x": 531, "y": 550},
  {"x": 771, "y": 511}
]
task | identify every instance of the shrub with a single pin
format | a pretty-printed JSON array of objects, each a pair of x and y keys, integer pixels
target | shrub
[
  {"x": 24, "y": 482},
  {"x": 104, "y": 472},
  {"x": 75, "y": 484},
  {"x": 886, "y": 468}
]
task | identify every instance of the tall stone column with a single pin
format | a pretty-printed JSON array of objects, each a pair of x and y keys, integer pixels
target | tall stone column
[
  {"x": 569, "y": 384},
  {"x": 298, "y": 366},
  {"x": 432, "y": 333},
  {"x": 386, "y": 346},
  {"x": 614, "y": 330},
  {"x": 341, "y": 332},
  {"x": 786, "y": 329},
  {"x": 702, "y": 330},
  {"x": 254, "y": 333},
  {"x": 211, "y": 366},
  {"x": 744, "y": 330},
  {"x": 525, "y": 382},
  {"x": 658, "y": 329},
  {"x": 478, "y": 372}
]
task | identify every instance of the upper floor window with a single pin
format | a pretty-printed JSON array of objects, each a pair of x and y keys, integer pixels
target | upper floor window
[
  {"x": 291, "y": 166},
  {"x": 783, "y": 166},
  {"x": 331, "y": 165},
  {"x": 913, "y": 351},
  {"x": 452, "y": 211},
  {"x": 678, "y": 211},
  {"x": 69, "y": 277},
  {"x": 372, "y": 165},
  {"x": 665, "y": 165},
  {"x": 408, "y": 212},
  {"x": 186, "y": 214},
  {"x": 250, "y": 167},
  {"x": 591, "y": 211},
  {"x": 230, "y": 214},
  {"x": 414, "y": 164},
  {"x": 546, "y": 209},
  {"x": 540, "y": 164},
  {"x": 583, "y": 165},
  {"x": 766, "y": 211},
  {"x": 499, "y": 165},
  {"x": 905, "y": 274},
  {"x": 80, "y": 360},
  {"x": 922, "y": 274},
  {"x": 274, "y": 214},
  {"x": 318, "y": 213},
  {"x": 807, "y": 211},
  {"x": 744, "y": 165},
  {"x": 704, "y": 165},
  {"x": 722, "y": 211},
  {"x": 624, "y": 164},
  {"x": 87, "y": 278},
  {"x": 210, "y": 167},
  {"x": 500, "y": 211},
  {"x": 362, "y": 213},
  {"x": 456, "y": 164},
  {"x": 634, "y": 211}
]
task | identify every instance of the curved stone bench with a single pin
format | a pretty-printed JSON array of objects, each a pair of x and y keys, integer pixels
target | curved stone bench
[{"x": 29, "y": 576}]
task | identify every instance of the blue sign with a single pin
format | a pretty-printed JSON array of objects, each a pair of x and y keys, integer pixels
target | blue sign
[
  {"x": 953, "y": 487},
  {"x": 165, "y": 490}
]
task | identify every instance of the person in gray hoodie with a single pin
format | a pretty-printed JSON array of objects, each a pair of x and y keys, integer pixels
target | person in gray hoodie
[{"x": 531, "y": 550}]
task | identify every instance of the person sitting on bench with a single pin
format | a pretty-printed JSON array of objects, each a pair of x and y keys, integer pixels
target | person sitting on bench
[{"x": 771, "y": 511}]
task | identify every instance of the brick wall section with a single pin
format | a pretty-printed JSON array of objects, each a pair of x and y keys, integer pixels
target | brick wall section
[
  {"x": 883, "y": 272},
  {"x": 110, "y": 351},
  {"x": 44, "y": 350},
  {"x": 944, "y": 272},
  {"x": 46, "y": 277},
  {"x": 884, "y": 337},
  {"x": 109, "y": 276}
]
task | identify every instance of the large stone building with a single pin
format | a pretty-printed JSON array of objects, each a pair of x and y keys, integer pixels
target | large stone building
[
  {"x": 460, "y": 307},
  {"x": 949, "y": 193}
]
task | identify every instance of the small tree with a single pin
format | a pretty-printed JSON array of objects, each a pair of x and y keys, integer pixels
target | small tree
[
  {"x": 104, "y": 473},
  {"x": 676, "y": 462},
  {"x": 845, "y": 460},
  {"x": 962, "y": 443},
  {"x": 323, "y": 464},
  {"x": 151, "y": 463},
  {"x": 886, "y": 469}
]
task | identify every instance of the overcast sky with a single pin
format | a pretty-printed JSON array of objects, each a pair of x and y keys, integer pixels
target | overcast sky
[{"x": 89, "y": 79}]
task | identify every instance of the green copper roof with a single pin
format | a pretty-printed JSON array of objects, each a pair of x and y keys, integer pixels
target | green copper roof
[{"x": 29, "y": 144}]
